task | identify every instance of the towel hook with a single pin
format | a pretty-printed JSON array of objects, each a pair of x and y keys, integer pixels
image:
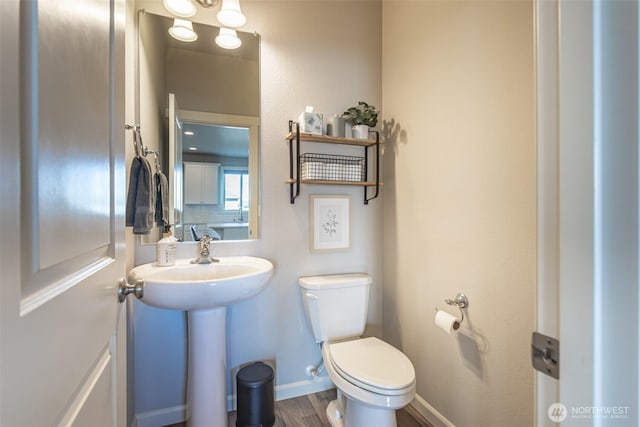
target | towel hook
[
  {"x": 139, "y": 147},
  {"x": 137, "y": 141},
  {"x": 157, "y": 160}
]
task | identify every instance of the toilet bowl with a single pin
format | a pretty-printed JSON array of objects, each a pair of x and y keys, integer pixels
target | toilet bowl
[{"x": 373, "y": 378}]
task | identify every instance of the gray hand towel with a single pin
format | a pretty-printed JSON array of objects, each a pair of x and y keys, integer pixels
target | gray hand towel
[
  {"x": 141, "y": 197},
  {"x": 162, "y": 199}
]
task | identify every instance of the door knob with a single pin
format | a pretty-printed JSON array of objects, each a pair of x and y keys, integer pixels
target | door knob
[{"x": 124, "y": 289}]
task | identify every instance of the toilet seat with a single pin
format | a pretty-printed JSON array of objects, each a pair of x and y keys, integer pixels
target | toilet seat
[{"x": 373, "y": 365}]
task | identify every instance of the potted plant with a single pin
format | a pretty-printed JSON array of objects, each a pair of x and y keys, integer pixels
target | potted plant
[{"x": 362, "y": 117}]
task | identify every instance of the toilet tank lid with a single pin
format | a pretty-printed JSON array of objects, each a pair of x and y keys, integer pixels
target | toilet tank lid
[{"x": 334, "y": 281}]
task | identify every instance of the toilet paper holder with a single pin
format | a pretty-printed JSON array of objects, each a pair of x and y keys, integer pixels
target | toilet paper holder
[{"x": 461, "y": 301}]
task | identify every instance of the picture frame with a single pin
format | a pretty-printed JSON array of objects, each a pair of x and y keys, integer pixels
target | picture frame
[{"x": 329, "y": 223}]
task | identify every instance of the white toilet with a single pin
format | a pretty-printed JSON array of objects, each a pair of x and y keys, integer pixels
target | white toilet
[{"x": 373, "y": 378}]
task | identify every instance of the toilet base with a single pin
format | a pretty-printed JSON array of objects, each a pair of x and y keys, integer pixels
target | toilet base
[
  {"x": 356, "y": 414},
  {"x": 334, "y": 415}
]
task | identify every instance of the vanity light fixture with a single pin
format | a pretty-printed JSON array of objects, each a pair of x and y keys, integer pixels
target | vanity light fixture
[
  {"x": 188, "y": 132},
  {"x": 183, "y": 30},
  {"x": 230, "y": 14},
  {"x": 207, "y": 3},
  {"x": 181, "y": 8},
  {"x": 228, "y": 39}
]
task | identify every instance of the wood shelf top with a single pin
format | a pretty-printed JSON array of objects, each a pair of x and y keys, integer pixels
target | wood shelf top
[
  {"x": 326, "y": 182},
  {"x": 331, "y": 139}
]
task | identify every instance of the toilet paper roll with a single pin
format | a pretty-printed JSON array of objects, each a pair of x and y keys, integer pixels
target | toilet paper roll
[{"x": 446, "y": 321}]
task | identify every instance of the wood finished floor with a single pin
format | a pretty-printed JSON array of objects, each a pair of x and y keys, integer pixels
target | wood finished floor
[{"x": 309, "y": 411}]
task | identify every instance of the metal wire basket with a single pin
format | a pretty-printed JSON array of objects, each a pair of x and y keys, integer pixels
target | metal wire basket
[{"x": 332, "y": 167}]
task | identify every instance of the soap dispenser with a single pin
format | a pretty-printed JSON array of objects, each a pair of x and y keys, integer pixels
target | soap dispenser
[{"x": 166, "y": 249}]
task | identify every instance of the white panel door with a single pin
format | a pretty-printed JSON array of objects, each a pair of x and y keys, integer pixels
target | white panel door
[{"x": 62, "y": 222}]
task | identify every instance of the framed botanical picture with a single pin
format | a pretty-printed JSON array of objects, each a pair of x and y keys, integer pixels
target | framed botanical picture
[{"x": 329, "y": 223}]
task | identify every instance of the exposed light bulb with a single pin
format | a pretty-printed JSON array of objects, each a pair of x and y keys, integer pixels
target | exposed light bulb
[
  {"x": 181, "y": 8},
  {"x": 228, "y": 39},
  {"x": 230, "y": 14},
  {"x": 183, "y": 30}
]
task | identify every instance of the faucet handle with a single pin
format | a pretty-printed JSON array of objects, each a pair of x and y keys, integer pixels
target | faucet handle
[
  {"x": 204, "y": 256},
  {"x": 205, "y": 242}
]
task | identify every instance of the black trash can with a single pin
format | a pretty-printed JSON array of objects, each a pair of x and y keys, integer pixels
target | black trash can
[{"x": 255, "y": 396}]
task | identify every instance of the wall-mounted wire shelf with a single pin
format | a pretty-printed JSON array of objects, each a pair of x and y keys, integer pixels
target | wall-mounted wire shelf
[{"x": 329, "y": 169}]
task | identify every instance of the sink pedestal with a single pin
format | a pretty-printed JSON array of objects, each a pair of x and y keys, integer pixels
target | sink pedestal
[{"x": 207, "y": 369}]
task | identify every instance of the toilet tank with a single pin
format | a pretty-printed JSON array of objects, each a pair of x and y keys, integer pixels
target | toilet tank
[{"x": 336, "y": 305}]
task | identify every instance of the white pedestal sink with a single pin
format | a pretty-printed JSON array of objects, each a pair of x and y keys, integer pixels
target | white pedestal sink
[{"x": 204, "y": 291}]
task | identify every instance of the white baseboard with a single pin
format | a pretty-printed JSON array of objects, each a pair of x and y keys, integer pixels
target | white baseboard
[
  {"x": 302, "y": 388},
  {"x": 161, "y": 417},
  {"x": 431, "y": 414},
  {"x": 178, "y": 413}
]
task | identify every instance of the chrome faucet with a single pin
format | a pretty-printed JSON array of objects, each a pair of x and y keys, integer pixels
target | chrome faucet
[{"x": 204, "y": 257}]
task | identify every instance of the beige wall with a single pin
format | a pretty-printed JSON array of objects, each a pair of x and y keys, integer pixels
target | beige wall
[{"x": 459, "y": 201}]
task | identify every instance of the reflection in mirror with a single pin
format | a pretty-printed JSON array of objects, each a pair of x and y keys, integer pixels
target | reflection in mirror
[
  {"x": 216, "y": 165},
  {"x": 209, "y": 99}
]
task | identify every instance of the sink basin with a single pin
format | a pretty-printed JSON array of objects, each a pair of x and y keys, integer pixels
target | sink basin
[
  {"x": 204, "y": 291},
  {"x": 187, "y": 286}
]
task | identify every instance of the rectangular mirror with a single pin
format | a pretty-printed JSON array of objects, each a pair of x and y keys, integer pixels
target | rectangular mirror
[{"x": 202, "y": 103}]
